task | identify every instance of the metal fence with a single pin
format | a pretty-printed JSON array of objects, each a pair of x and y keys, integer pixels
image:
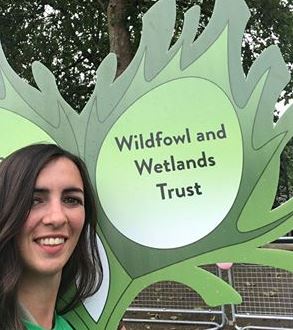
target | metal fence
[
  {"x": 267, "y": 295},
  {"x": 171, "y": 302},
  {"x": 267, "y": 301}
]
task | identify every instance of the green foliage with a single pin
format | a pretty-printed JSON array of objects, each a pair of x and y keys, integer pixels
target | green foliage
[
  {"x": 285, "y": 188},
  {"x": 70, "y": 40},
  {"x": 71, "y": 37}
]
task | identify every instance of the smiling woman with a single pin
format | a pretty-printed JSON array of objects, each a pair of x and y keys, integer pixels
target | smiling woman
[{"x": 47, "y": 237}]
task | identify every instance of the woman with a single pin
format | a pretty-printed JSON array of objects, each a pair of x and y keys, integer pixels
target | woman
[{"x": 47, "y": 237}]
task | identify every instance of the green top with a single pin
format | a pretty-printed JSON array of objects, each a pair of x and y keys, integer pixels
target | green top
[{"x": 60, "y": 324}]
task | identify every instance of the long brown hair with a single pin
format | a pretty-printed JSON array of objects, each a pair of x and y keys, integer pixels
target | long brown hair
[{"x": 18, "y": 174}]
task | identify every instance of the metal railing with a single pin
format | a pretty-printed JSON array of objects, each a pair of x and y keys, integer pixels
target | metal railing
[
  {"x": 174, "y": 303},
  {"x": 267, "y": 294}
]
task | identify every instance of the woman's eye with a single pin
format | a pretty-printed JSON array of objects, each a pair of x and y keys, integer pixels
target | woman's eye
[
  {"x": 73, "y": 201},
  {"x": 36, "y": 201}
]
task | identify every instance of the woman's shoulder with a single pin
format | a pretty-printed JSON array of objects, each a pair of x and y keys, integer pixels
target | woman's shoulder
[{"x": 60, "y": 324}]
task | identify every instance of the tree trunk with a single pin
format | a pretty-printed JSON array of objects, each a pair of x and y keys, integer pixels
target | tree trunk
[{"x": 119, "y": 37}]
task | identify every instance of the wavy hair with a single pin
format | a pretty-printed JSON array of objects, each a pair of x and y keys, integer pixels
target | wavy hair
[{"x": 18, "y": 174}]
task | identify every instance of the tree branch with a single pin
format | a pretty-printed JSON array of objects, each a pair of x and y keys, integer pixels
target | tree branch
[
  {"x": 119, "y": 36},
  {"x": 103, "y": 5}
]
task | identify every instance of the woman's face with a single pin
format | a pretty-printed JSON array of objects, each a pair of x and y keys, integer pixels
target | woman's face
[{"x": 55, "y": 221}]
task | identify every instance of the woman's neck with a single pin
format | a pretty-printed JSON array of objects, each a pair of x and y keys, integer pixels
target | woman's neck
[{"x": 38, "y": 295}]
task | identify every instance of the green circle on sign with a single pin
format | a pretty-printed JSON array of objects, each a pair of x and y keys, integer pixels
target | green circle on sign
[
  {"x": 17, "y": 132},
  {"x": 169, "y": 170}
]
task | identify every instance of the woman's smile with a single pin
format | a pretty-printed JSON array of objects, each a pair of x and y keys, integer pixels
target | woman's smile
[
  {"x": 51, "y": 241},
  {"x": 51, "y": 244}
]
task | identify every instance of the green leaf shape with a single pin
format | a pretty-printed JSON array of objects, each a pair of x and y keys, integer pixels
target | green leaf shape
[
  {"x": 257, "y": 211},
  {"x": 18, "y": 132},
  {"x": 279, "y": 227},
  {"x": 45, "y": 107},
  {"x": 2, "y": 87},
  {"x": 247, "y": 253},
  {"x": 119, "y": 282}
]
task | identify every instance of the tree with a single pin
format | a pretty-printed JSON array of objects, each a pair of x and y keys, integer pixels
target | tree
[
  {"x": 285, "y": 188},
  {"x": 72, "y": 38}
]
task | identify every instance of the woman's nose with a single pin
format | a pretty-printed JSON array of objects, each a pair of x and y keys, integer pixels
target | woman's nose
[{"x": 55, "y": 214}]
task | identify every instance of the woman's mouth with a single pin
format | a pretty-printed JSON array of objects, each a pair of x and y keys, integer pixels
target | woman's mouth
[{"x": 51, "y": 241}]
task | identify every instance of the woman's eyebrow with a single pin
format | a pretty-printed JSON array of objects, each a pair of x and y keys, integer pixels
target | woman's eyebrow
[
  {"x": 41, "y": 190},
  {"x": 73, "y": 189}
]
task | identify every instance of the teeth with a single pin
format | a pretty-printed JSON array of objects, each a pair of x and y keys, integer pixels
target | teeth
[{"x": 52, "y": 241}]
